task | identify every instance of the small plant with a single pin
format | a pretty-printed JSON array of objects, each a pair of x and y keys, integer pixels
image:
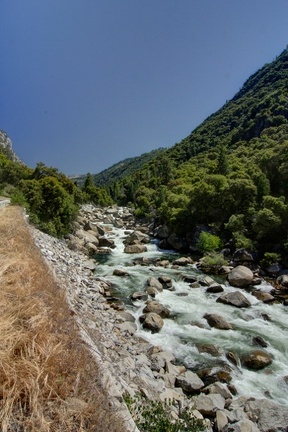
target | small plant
[
  {"x": 212, "y": 262},
  {"x": 155, "y": 416},
  {"x": 269, "y": 259},
  {"x": 208, "y": 242}
]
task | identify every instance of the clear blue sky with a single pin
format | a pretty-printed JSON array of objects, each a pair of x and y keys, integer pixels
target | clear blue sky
[{"x": 87, "y": 83}]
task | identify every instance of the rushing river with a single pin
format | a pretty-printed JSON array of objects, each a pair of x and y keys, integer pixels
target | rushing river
[{"x": 185, "y": 339}]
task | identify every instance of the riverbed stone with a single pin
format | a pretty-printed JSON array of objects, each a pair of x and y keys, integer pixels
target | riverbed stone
[
  {"x": 120, "y": 272},
  {"x": 268, "y": 415},
  {"x": 153, "y": 322},
  {"x": 183, "y": 261},
  {"x": 139, "y": 295},
  {"x": 241, "y": 276},
  {"x": 217, "y": 321},
  {"x": 134, "y": 249},
  {"x": 154, "y": 282},
  {"x": 235, "y": 298},
  {"x": 158, "y": 308},
  {"x": 256, "y": 360}
]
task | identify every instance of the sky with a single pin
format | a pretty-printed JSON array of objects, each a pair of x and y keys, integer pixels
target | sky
[{"x": 85, "y": 84}]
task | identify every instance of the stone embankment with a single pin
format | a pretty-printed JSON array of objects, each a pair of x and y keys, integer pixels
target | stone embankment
[{"x": 128, "y": 363}]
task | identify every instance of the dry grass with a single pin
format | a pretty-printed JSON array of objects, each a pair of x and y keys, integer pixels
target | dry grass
[{"x": 48, "y": 379}]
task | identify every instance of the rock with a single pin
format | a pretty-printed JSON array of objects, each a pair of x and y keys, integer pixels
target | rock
[
  {"x": 240, "y": 276},
  {"x": 153, "y": 282},
  {"x": 106, "y": 242},
  {"x": 162, "y": 232},
  {"x": 282, "y": 280},
  {"x": 136, "y": 237},
  {"x": 208, "y": 281},
  {"x": 235, "y": 298},
  {"x": 138, "y": 295},
  {"x": 89, "y": 264},
  {"x": 221, "y": 420},
  {"x": 134, "y": 249},
  {"x": 158, "y": 308},
  {"x": 256, "y": 360},
  {"x": 195, "y": 285},
  {"x": 166, "y": 282},
  {"x": 218, "y": 322},
  {"x": 243, "y": 255},
  {"x": 269, "y": 416},
  {"x": 210, "y": 349},
  {"x": 153, "y": 322},
  {"x": 265, "y": 297},
  {"x": 219, "y": 388},
  {"x": 120, "y": 272},
  {"x": 91, "y": 248},
  {"x": 242, "y": 426},
  {"x": 258, "y": 340},
  {"x": 232, "y": 358},
  {"x": 183, "y": 261},
  {"x": 189, "y": 382},
  {"x": 177, "y": 243},
  {"x": 208, "y": 405},
  {"x": 215, "y": 289}
]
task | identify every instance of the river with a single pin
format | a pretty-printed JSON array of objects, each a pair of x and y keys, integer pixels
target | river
[{"x": 186, "y": 333}]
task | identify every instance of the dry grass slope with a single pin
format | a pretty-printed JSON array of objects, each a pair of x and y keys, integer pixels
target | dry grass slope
[{"x": 48, "y": 379}]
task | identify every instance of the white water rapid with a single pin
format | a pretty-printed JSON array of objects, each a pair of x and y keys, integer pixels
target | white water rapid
[{"x": 188, "y": 331}]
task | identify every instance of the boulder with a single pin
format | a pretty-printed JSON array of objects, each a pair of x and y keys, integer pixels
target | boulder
[
  {"x": 120, "y": 272},
  {"x": 106, "y": 242},
  {"x": 256, "y": 360},
  {"x": 153, "y": 282},
  {"x": 162, "y": 232},
  {"x": 153, "y": 322},
  {"x": 177, "y": 243},
  {"x": 166, "y": 282},
  {"x": 270, "y": 416},
  {"x": 218, "y": 322},
  {"x": 243, "y": 255},
  {"x": 136, "y": 237},
  {"x": 189, "y": 382},
  {"x": 134, "y": 249},
  {"x": 265, "y": 297},
  {"x": 221, "y": 420},
  {"x": 183, "y": 261},
  {"x": 235, "y": 298},
  {"x": 208, "y": 405},
  {"x": 158, "y": 308},
  {"x": 138, "y": 295},
  {"x": 242, "y": 426},
  {"x": 240, "y": 276},
  {"x": 214, "y": 289},
  {"x": 282, "y": 280}
]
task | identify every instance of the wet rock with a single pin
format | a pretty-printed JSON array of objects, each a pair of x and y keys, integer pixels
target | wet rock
[
  {"x": 207, "y": 281},
  {"x": 189, "y": 278},
  {"x": 153, "y": 282},
  {"x": 215, "y": 289},
  {"x": 265, "y": 297},
  {"x": 166, "y": 282},
  {"x": 218, "y": 322},
  {"x": 209, "y": 349},
  {"x": 195, "y": 285},
  {"x": 136, "y": 237},
  {"x": 120, "y": 272},
  {"x": 136, "y": 248},
  {"x": 183, "y": 261},
  {"x": 240, "y": 276},
  {"x": 258, "y": 340},
  {"x": 232, "y": 358},
  {"x": 189, "y": 382},
  {"x": 106, "y": 242},
  {"x": 153, "y": 322},
  {"x": 235, "y": 298},
  {"x": 282, "y": 280},
  {"x": 156, "y": 307},
  {"x": 256, "y": 360},
  {"x": 138, "y": 295}
]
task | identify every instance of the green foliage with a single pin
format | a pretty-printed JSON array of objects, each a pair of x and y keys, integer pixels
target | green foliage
[
  {"x": 154, "y": 416},
  {"x": 269, "y": 259},
  {"x": 96, "y": 195},
  {"x": 212, "y": 261},
  {"x": 208, "y": 242}
]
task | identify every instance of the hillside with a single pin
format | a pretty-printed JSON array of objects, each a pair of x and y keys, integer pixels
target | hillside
[
  {"x": 121, "y": 169},
  {"x": 229, "y": 174}
]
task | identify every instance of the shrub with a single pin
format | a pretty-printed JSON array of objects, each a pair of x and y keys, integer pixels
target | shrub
[
  {"x": 154, "y": 416},
  {"x": 269, "y": 259},
  {"x": 208, "y": 242}
]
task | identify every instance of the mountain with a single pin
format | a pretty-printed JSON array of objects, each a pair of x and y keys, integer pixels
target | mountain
[
  {"x": 230, "y": 174},
  {"x": 121, "y": 169},
  {"x": 6, "y": 148}
]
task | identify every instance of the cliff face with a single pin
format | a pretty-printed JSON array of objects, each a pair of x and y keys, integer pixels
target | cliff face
[{"x": 6, "y": 147}]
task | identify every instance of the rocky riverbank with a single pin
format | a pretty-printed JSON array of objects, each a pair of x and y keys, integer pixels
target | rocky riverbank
[{"x": 129, "y": 363}]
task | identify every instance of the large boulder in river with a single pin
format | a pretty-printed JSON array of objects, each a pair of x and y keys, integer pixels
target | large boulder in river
[
  {"x": 242, "y": 255},
  {"x": 218, "y": 322},
  {"x": 136, "y": 237},
  {"x": 177, "y": 243},
  {"x": 153, "y": 282},
  {"x": 256, "y": 360},
  {"x": 158, "y": 308},
  {"x": 136, "y": 248},
  {"x": 235, "y": 298},
  {"x": 153, "y": 322},
  {"x": 240, "y": 276}
]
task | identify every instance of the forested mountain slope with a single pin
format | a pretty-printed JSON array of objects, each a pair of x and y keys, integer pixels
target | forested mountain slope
[{"x": 230, "y": 173}]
